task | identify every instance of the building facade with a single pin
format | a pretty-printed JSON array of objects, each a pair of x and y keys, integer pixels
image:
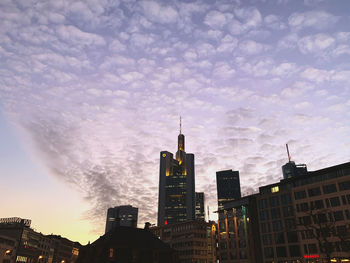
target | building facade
[
  {"x": 200, "y": 214},
  {"x": 307, "y": 218},
  {"x": 195, "y": 241},
  {"x": 126, "y": 215},
  {"x": 228, "y": 187},
  {"x": 176, "y": 199},
  {"x": 238, "y": 232},
  {"x": 32, "y": 246}
]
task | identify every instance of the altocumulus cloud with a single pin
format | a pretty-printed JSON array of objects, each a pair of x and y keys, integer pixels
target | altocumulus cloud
[{"x": 99, "y": 86}]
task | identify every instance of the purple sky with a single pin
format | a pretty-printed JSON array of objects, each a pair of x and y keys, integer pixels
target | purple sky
[{"x": 91, "y": 92}]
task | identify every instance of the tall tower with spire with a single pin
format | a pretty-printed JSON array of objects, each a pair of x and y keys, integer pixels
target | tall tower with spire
[{"x": 176, "y": 199}]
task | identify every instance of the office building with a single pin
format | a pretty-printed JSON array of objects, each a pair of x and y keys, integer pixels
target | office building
[
  {"x": 238, "y": 232},
  {"x": 195, "y": 241},
  {"x": 200, "y": 214},
  {"x": 228, "y": 187},
  {"x": 124, "y": 215},
  {"x": 299, "y": 219},
  {"x": 176, "y": 200}
]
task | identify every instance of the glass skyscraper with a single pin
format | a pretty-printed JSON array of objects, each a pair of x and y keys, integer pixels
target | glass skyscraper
[
  {"x": 228, "y": 187},
  {"x": 176, "y": 200}
]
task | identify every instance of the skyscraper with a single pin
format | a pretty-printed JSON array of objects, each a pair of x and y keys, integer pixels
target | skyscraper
[
  {"x": 200, "y": 206},
  {"x": 176, "y": 200},
  {"x": 124, "y": 215},
  {"x": 228, "y": 186}
]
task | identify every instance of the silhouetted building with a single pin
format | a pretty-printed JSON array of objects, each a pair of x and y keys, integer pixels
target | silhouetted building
[
  {"x": 176, "y": 200},
  {"x": 228, "y": 187},
  {"x": 127, "y": 244},
  {"x": 124, "y": 215},
  {"x": 291, "y": 169},
  {"x": 200, "y": 214},
  {"x": 36, "y": 247},
  {"x": 8, "y": 249},
  {"x": 195, "y": 241}
]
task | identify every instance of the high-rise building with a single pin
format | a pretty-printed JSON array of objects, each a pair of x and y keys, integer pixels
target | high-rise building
[
  {"x": 228, "y": 186},
  {"x": 176, "y": 200},
  {"x": 124, "y": 215},
  {"x": 200, "y": 215}
]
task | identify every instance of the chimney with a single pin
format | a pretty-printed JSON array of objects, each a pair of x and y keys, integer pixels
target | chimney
[{"x": 147, "y": 225}]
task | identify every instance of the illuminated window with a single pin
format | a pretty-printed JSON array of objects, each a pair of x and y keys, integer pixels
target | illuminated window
[
  {"x": 111, "y": 252},
  {"x": 275, "y": 189},
  {"x": 163, "y": 154}
]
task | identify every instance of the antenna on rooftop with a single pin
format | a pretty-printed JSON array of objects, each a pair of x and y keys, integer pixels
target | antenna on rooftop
[{"x": 288, "y": 152}]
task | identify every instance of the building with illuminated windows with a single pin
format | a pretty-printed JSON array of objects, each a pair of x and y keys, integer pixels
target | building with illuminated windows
[
  {"x": 126, "y": 215},
  {"x": 176, "y": 200},
  {"x": 200, "y": 215},
  {"x": 304, "y": 218},
  {"x": 228, "y": 186}
]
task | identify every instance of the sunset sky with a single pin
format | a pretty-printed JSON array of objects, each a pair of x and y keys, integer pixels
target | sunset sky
[{"x": 91, "y": 91}]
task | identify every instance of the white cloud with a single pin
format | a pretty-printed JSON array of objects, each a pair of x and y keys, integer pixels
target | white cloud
[
  {"x": 78, "y": 37},
  {"x": 315, "y": 19},
  {"x": 216, "y": 19},
  {"x": 274, "y": 22},
  {"x": 251, "y": 47},
  {"x": 315, "y": 43},
  {"x": 159, "y": 13}
]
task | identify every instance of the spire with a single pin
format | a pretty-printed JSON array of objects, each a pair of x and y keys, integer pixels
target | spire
[
  {"x": 180, "y": 125},
  {"x": 288, "y": 152}
]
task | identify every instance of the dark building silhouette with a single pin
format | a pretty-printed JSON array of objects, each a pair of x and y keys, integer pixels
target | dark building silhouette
[
  {"x": 124, "y": 215},
  {"x": 291, "y": 169},
  {"x": 200, "y": 215},
  {"x": 176, "y": 200},
  {"x": 305, "y": 218},
  {"x": 32, "y": 246},
  {"x": 228, "y": 186},
  {"x": 127, "y": 244}
]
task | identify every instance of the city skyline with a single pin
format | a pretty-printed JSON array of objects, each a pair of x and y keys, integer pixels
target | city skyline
[{"x": 90, "y": 93}]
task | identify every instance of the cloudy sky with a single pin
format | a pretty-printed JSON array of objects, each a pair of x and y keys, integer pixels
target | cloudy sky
[{"x": 91, "y": 91}]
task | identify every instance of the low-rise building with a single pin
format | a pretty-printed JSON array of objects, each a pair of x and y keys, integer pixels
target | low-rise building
[{"x": 195, "y": 241}]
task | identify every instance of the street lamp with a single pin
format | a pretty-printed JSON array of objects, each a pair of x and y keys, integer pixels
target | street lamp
[{"x": 8, "y": 252}]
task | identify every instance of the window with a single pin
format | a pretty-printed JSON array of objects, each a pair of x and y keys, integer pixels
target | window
[
  {"x": 288, "y": 211},
  {"x": 268, "y": 251},
  {"x": 277, "y": 226},
  {"x": 330, "y": 188},
  {"x": 265, "y": 227},
  {"x": 290, "y": 223},
  {"x": 111, "y": 253},
  {"x": 300, "y": 195},
  {"x": 347, "y": 213},
  {"x": 275, "y": 189},
  {"x": 279, "y": 238},
  {"x": 305, "y": 220},
  {"x": 275, "y": 213},
  {"x": 338, "y": 215},
  {"x": 335, "y": 201},
  {"x": 286, "y": 199},
  {"x": 274, "y": 201},
  {"x": 294, "y": 251},
  {"x": 264, "y": 215},
  {"x": 304, "y": 207},
  {"x": 262, "y": 203},
  {"x": 314, "y": 191},
  {"x": 281, "y": 252},
  {"x": 344, "y": 186},
  {"x": 343, "y": 199},
  {"x": 317, "y": 204},
  {"x": 292, "y": 237},
  {"x": 267, "y": 239}
]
